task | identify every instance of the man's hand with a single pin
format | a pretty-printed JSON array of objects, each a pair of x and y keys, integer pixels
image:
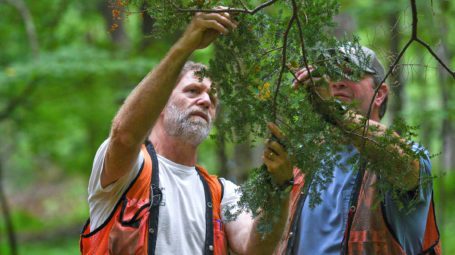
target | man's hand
[
  {"x": 320, "y": 95},
  {"x": 319, "y": 85},
  {"x": 205, "y": 28},
  {"x": 276, "y": 157}
]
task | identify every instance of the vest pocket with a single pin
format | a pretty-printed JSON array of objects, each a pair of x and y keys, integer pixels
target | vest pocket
[
  {"x": 128, "y": 235},
  {"x": 132, "y": 212}
]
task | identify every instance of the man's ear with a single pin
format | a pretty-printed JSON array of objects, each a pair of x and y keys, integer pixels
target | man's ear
[{"x": 381, "y": 95}]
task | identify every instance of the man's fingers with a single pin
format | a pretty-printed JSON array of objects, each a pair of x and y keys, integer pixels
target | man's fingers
[
  {"x": 304, "y": 69},
  {"x": 275, "y": 131},
  {"x": 271, "y": 165},
  {"x": 212, "y": 24},
  {"x": 276, "y": 148},
  {"x": 221, "y": 19},
  {"x": 302, "y": 76},
  {"x": 225, "y": 14}
]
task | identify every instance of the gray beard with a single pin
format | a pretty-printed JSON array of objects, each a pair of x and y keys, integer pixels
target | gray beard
[{"x": 183, "y": 125}]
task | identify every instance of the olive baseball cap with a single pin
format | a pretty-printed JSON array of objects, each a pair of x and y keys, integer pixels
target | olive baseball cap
[{"x": 366, "y": 59}]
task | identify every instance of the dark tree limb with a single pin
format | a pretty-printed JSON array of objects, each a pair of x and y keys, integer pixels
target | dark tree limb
[
  {"x": 12, "y": 241},
  {"x": 302, "y": 44},
  {"x": 229, "y": 10},
  {"x": 283, "y": 66},
  {"x": 441, "y": 62},
  {"x": 22, "y": 8},
  {"x": 30, "y": 29},
  {"x": 14, "y": 103},
  {"x": 414, "y": 37},
  {"x": 5, "y": 114}
]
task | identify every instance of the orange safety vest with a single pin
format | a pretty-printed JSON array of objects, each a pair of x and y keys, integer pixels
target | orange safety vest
[
  {"x": 369, "y": 232},
  {"x": 131, "y": 228}
]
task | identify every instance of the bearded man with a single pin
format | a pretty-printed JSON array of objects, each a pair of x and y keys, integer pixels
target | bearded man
[{"x": 152, "y": 198}]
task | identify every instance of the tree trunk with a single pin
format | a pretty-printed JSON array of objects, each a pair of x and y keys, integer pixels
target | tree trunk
[
  {"x": 12, "y": 241},
  {"x": 243, "y": 161},
  {"x": 427, "y": 126},
  {"x": 146, "y": 28},
  {"x": 346, "y": 25},
  {"x": 118, "y": 34},
  {"x": 447, "y": 131},
  {"x": 30, "y": 29},
  {"x": 221, "y": 147},
  {"x": 396, "y": 77}
]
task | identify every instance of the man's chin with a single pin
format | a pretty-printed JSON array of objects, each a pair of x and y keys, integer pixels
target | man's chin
[{"x": 197, "y": 118}]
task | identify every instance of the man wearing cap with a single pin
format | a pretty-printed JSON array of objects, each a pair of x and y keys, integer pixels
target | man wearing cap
[{"x": 349, "y": 220}]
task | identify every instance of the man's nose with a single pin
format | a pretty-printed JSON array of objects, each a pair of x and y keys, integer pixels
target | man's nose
[
  {"x": 338, "y": 85},
  {"x": 204, "y": 100}
]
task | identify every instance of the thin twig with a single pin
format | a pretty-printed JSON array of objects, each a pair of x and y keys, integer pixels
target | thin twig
[
  {"x": 302, "y": 44},
  {"x": 283, "y": 66},
  {"x": 414, "y": 37},
  {"x": 229, "y": 10},
  {"x": 424, "y": 44}
]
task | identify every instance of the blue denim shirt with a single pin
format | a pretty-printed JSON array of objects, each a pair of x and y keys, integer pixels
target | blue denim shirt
[{"x": 321, "y": 228}]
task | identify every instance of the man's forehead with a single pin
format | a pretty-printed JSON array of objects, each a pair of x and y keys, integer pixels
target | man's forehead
[{"x": 191, "y": 77}]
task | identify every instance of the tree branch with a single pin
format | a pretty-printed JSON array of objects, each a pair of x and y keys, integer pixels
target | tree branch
[
  {"x": 17, "y": 101},
  {"x": 7, "y": 215},
  {"x": 283, "y": 66},
  {"x": 302, "y": 44},
  {"x": 441, "y": 62},
  {"x": 414, "y": 37},
  {"x": 30, "y": 29},
  {"x": 229, "y": 10}
]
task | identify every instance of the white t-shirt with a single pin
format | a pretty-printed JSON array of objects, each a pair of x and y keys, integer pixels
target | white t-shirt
[{"x": 181, "y": 223}]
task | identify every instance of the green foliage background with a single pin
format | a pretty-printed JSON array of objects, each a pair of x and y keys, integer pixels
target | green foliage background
[{"x": 81, "y": 76}]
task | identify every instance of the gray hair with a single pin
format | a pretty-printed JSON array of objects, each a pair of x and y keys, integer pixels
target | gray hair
[{"x": 190, "y": 66}]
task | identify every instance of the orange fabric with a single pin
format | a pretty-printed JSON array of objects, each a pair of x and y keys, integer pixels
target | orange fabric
[
  {"x": 431, "y": 238},
  {"x": 299, "y": 181},
  {"x": 369, "y": 232},
  {"x": 127, "y": 232},
  {"x": 219, "y": 238}
]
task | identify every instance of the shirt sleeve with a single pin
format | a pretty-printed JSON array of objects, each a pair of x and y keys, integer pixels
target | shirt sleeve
[
  {"x": 98, "y": 164},
  {"x": 230, "y": 199},
  {"x": 103, "y": 200},
  {"x": 425, "y": 182}
]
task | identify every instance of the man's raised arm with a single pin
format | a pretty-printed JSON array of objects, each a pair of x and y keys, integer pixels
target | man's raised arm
[{"x": 143, "y": 106}]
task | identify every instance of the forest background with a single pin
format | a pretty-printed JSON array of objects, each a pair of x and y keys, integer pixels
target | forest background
[{"x": 64, "y": 73}]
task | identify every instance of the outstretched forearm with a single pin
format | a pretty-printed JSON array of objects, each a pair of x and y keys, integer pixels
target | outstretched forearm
[
  {"x": 139, "y": 112},
  {"x": 145, "y": 103},
  {"x": 143, "y": 106},
  {"x": 402, "y": 163},
  {"x": 244, "y": 238},
  {"x": 267, "y": 244}
]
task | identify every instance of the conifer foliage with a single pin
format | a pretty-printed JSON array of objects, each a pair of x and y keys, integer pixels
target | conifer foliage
[{"x": 254, "y": 68}]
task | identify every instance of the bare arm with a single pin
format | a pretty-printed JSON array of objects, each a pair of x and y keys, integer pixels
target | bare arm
[
  {"x": 368, "y": 146},
  {"x": 242, "y": 234},
  {"x": 143, "y": 106},
  {"x": 352, "y": 125},
  {"x": 243, "y": 237}
]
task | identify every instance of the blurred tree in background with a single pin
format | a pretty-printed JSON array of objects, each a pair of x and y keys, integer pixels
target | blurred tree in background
[{"x": 64, "y": 72}]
